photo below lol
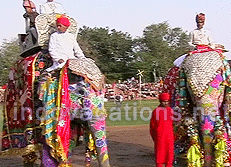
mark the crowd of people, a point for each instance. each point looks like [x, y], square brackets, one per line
[131, 89]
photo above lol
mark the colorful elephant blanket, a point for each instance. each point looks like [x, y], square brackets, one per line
[21, 128]
[201, 69]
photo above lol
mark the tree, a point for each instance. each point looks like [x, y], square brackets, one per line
[111, 50]
[118, 55]
[9, 54]
[159, 46]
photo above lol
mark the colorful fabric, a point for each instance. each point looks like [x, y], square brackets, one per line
[202, 131]
[87, 68]
[200, 69]
[87, 105]
[21, 126]
[63, 113]
[209, 105]
[170, 83]
[206, 125]
[22, 133]
[205, 48]
[48, 94]
[59, 99]
[194, 154]
[47, 160]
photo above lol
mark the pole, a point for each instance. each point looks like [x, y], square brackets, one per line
[140, 88]
[140, 75]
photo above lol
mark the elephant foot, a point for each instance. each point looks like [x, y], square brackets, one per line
[65, 165]
[79, 140]
[30, 164]
[208, 164]
[29, 159]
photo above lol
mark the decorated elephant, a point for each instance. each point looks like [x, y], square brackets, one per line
[48, 113]
[200, 89]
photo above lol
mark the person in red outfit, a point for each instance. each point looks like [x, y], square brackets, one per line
[161, 130]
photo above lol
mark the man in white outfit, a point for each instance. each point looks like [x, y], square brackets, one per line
[63, 45]
[200, 36]
[52, 7]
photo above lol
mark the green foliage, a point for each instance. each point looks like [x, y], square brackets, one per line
[118, 55]
[111, 49]
[159, 47]
[9, 54]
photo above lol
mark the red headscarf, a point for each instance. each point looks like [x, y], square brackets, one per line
[63, 20]
[200, 17]
[164, 97]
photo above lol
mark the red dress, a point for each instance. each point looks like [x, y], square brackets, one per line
[161, 130]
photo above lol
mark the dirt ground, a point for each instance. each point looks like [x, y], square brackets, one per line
[129, 146]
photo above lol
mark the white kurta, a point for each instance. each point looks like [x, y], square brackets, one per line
[52, 7]
[200, 37]
[63, 46]
[197, 37]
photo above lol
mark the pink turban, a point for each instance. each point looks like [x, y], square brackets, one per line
[63, 20]
[28, 3]
[164, 97]
[200, 17]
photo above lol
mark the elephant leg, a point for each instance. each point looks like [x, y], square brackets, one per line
[46, 159]
[209, 105]
[207, 140]
[29, 159]
[98, 131]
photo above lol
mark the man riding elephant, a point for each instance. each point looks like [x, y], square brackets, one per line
[78, 100]
[52, 97]
[200, 36]
[203, 89]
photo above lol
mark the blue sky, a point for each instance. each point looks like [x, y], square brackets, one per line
[130, 16]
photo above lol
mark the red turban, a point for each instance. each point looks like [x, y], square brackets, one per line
[63, 20]
[164, 97]
[200, 17]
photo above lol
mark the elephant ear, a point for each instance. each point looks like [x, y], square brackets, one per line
[46, 25]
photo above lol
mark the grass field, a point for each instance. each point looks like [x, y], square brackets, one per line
[133, 112]
[130, 112]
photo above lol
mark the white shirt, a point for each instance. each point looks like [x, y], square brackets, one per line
[200, 37]
[63, 46]
[52, 7]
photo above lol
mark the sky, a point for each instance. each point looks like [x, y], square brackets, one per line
[130, 16]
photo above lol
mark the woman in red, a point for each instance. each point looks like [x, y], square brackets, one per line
[161, 130]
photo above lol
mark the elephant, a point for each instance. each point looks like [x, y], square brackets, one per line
[200, 97]
[48, 113]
